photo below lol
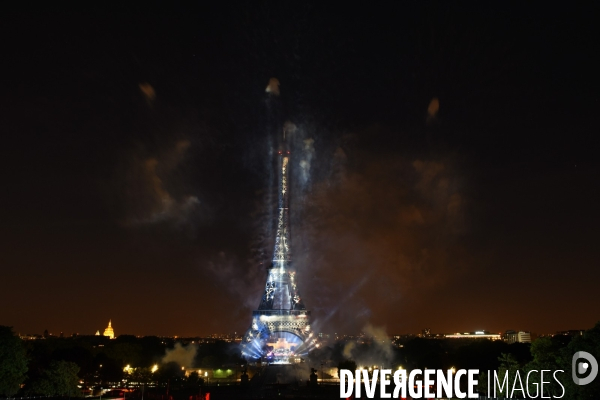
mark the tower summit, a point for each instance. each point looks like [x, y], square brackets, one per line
[280, 330]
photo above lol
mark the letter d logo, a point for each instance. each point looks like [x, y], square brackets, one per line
[583, 367]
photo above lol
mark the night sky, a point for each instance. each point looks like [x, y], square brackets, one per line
[446, 170]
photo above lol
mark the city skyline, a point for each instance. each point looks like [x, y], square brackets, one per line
[446, 175]
[427, 333]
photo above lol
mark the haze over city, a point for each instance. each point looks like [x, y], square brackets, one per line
[446, 178]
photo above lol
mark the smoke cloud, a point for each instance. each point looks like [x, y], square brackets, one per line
[149, 199]
[377, 235]
[369, 233]
[432, 111]
[244, 280]
[273, 87]
[380, 352]
[434, 107]
[148, 92]
[182, 355]
[308, 153]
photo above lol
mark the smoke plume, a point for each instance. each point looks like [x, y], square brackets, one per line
[273, 87]
[148, 92]
[308, 153]
[148, 197]
[432, 111]
[380, 352]
[182, 355]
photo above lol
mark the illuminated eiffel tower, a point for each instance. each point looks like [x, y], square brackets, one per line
[280, 332]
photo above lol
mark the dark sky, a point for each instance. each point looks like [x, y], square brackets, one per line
[138, 182]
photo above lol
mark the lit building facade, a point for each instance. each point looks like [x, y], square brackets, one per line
[474, 335]
[517, 337]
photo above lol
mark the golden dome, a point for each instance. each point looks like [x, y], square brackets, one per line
[109, 331]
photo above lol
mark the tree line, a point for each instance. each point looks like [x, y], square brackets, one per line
[56, 366]
[60, 366]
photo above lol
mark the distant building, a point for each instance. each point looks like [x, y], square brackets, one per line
[572, 332]
[474, 335]
[524, 337]
[109, 331]
[511, 336]
[30, 337]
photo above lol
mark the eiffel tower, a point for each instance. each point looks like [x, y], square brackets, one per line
[280, 332]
